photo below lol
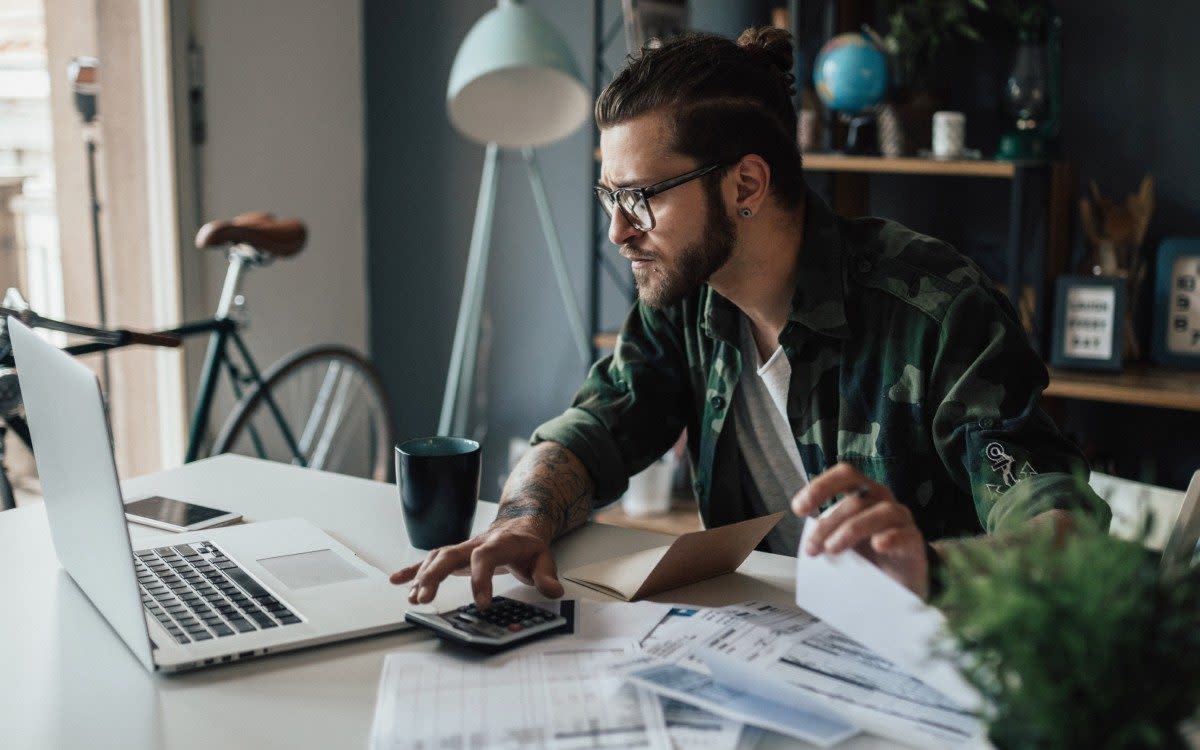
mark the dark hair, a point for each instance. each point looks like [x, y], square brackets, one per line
[725, 99]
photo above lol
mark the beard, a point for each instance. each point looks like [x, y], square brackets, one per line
[665, 283]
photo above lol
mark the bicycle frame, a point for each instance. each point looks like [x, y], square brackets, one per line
[222, 330]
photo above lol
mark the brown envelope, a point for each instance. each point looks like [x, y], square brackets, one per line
[692, 557]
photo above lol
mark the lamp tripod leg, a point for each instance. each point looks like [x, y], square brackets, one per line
[554, 247]
[460, 377]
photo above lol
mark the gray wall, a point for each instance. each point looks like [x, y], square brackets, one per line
[422, 184]
[284, 113]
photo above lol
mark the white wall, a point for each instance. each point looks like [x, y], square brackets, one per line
[284, 110]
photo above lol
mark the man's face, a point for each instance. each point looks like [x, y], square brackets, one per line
[693, 236]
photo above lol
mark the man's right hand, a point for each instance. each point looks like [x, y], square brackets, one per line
[517, 545]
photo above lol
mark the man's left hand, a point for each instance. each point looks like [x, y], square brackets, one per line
[868, 519]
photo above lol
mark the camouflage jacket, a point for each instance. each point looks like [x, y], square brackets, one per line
[906, 362]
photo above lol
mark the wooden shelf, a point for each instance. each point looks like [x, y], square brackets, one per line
[829, 162]
[1139, 385]
[682, 518]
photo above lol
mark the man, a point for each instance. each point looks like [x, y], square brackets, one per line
[810, 358]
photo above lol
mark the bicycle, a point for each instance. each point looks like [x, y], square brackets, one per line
[321, 407]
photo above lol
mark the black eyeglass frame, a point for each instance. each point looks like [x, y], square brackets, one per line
[643, 194]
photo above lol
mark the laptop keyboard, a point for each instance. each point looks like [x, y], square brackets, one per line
[198, 593]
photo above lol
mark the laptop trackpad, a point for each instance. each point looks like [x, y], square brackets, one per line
[315, 568]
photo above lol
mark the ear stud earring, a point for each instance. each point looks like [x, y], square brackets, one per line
[745, 213]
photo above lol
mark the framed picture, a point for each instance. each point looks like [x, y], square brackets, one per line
[1089, 314]
[1176, 340]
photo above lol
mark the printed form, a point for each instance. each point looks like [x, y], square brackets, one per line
[556, 698]
[557, 693]
[868, 660]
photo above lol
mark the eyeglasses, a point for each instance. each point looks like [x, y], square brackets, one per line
[634, 201]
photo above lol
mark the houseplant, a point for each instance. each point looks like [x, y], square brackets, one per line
[1078, 642]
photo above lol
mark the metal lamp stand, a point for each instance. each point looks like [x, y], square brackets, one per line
[461, 377]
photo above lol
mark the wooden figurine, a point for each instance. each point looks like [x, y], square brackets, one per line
[1116, 232]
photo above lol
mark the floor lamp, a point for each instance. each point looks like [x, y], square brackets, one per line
[514, 84]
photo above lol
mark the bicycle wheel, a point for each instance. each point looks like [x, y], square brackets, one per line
[334, 407]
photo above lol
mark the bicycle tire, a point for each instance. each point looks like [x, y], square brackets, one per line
[251, 416]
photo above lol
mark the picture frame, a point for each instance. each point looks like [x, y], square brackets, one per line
[1089, 315]
[1176, 335]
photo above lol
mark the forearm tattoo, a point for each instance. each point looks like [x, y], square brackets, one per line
[550, 486]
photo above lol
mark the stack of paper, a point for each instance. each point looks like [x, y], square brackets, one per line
[650, 675]
[557, 693]
[784, 670]
[866, 663]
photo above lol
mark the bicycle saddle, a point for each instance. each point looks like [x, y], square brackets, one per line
[262, 231]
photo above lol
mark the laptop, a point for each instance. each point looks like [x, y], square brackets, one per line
[1180, 550]
[191, 600]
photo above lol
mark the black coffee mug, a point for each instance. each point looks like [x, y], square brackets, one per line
[439, 488]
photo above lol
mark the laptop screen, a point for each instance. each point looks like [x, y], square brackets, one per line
[73, 450]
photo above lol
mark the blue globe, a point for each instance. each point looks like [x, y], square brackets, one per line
[851, 74]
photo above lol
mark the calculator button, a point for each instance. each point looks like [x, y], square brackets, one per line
[515, 627]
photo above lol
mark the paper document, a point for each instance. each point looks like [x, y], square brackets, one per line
[561, 697]
[857, 683]
[693, 728]
[692, 557]
[819, 727]
[689, 727]
[850, 593]
[554, 693]
[781, 656]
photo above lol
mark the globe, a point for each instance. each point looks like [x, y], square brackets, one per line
[851, 73]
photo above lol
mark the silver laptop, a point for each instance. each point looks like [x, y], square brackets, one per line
[188, 600]
[1181, 547]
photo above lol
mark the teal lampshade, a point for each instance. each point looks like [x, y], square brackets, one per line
[514, 81]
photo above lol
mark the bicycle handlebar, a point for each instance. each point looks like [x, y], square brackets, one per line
[105, 338]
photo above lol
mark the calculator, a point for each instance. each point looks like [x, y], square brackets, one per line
[505, 624]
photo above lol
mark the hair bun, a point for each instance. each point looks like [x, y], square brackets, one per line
[775, 43]
[775, 46]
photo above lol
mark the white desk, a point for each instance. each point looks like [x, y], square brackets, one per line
[68, 681]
